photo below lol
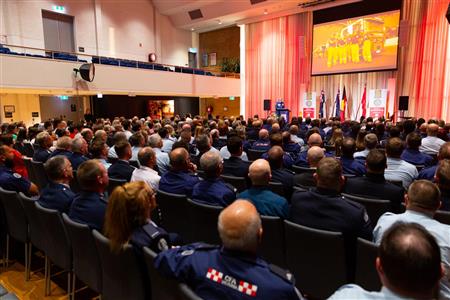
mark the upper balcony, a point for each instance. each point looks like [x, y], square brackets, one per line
[32, 70]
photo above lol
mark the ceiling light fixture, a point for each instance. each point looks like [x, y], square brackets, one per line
[192, 29]
[220, 22]
[265, 12]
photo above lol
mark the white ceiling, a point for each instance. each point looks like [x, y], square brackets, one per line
[231, 12]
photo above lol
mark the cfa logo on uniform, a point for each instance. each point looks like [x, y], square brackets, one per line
[231, 282]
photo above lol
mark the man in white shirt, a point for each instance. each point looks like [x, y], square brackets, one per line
[398, 169]
[431, 144]
[293, 130]
[422, 201]
[147, 159]
[162, 158]
[167, 142]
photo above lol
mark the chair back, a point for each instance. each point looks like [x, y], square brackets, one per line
[239, 183]
[59, 250]
[254, 154]
[272, 247]
[86, 261]
[162, 288]
[39, 172]
[121, 272]
[366, 274]
[134, 163]
[113, 183]
[37, 231]
[277, 188]
[308, 255]
[442, 216]
[30, 170]
[299, 170]
[203, 222]
[16, 220]
[187, 293]
[173, 209]
[375, 207]
[396, 182]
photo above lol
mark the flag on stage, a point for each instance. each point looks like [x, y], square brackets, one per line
[322, 112]
[363, 102]
[338, 104]
[343, 105]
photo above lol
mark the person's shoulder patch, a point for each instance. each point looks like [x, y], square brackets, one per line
[283, 273]
[17, 175]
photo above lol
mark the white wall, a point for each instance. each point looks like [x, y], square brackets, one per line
[123, 29]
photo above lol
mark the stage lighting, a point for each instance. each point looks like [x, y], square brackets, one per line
[87, 72]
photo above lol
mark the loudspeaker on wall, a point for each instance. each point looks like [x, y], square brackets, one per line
[448, 13]
[403, 102]
[267, 104]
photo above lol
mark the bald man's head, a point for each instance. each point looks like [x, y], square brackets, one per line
[275, 157]
[240, 227]
[432, 129]
[314, 155]
[315, 140]
[179, 159]
[263, 134]
[259, 172]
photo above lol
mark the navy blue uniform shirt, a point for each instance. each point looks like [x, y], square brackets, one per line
[213, 192]
[76, 159]
[353, 166]
[215, 273]
[41, 154]
[65, 153]
[121, 169]
[13, 182]
[261, 144]
[89, 208]
[181, 182]
[428, 173]
[416, 157]
[287, 159]
[57, 196]
[235, 166]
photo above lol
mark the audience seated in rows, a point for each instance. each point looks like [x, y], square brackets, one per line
[370, 142]
[444, 153]
[162, 158]
[63, 147]
[350, 165]
[431, 143]
[398, 169]
[422, 201]
[408, 265]
[235, 166]
[373, 184]
[180, 179]
[57, 194]
[89, 205]
[306, 179]
[324, 208]
[266, 202]
[412, 154]
[236, 262]
[263, 142]
[279, 172]
[314, 140]
[99, 151]
[79, 151]
[42, 148]
[11, 181]
[121, 169]
[146, 172]
[213, 190]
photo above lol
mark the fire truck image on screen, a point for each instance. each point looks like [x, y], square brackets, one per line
[359, 44]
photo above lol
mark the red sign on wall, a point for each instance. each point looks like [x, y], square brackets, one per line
[376, 112]
[309, 112]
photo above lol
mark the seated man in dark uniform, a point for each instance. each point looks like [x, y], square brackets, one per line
[402, 277]
[233, 271]
[213, 190]
[306, 179]
[412, 154]
[373, 185]
[43, 143]
[180, 179]
[79, 150]
[442, 179]
[57, 194]
[235, 166]
[63, 147]
[267, 202]
[12, 181]
[350, 165]
[444, 153]
[262, 143]
[280, 174]
[324, 207]
[276, 139]
[89, 206]
[290, 146]
[121, 169]
[314, 140]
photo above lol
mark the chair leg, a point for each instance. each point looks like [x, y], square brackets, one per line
[26, 261]
[7, 251]
[47, 276]
[70, 283]
[28, 268]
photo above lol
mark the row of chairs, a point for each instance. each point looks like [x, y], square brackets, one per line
[305, 251]
[82, 254]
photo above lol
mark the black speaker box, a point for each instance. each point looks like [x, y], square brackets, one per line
[403, 102]
[448, 13]
[267, 104]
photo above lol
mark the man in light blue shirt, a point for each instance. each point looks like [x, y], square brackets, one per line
[162, 158]
[408, 264]
[398, 169]
[422, 201]
[370, 142]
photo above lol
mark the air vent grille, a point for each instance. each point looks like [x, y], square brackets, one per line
[195, 14]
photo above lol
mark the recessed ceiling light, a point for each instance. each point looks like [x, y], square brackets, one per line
[192, 29]
[265, 12]
[220, 22]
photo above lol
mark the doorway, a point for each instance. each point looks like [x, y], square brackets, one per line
[58, 32]
[192, 60]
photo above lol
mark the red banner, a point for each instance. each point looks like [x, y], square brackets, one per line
[309, 112]
[377, 112]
